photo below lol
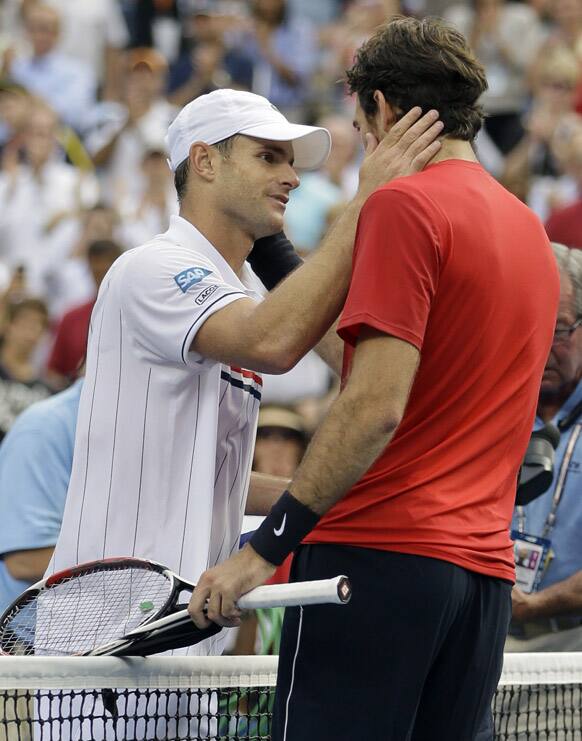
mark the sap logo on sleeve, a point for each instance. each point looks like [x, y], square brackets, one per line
[189, 277]
[206, 293]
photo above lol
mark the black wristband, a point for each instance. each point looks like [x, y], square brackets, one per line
[273, 258]
[283, 529]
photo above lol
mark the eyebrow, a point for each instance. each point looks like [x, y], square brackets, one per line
[280, 151]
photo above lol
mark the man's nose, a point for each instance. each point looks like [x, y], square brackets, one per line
[291, 178]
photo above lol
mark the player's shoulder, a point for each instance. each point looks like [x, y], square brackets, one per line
[158, 258]
[410, 191]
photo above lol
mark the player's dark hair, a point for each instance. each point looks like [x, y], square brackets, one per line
[225, 146]
[181, 178]
[183, 170]
[421, 63]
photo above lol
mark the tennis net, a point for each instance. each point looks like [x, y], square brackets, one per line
[219, 698]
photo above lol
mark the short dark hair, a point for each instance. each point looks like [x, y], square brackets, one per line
[101, 247]
[27, 304]
[183, 170]
[421, 63]
[181, 178]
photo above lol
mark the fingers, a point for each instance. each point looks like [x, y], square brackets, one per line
[425, 147]
[197, 606]
[222, 609]
[406, 132]
[409, 146]
[211, 603]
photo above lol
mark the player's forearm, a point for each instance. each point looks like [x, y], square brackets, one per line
[562, 598]
[331, 349]
[264, 490]
[341, 451]
[299, 311]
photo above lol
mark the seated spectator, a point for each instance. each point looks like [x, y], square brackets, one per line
[532, 171]
[15, 104]
[339, 41]
[283, 54]
[564, 224]
[35, 194]
[564, 20]
[35, 466]
[550, 617]
[67, 278]
[281, 441]
[20, 382]
[493, 28]
[205, 62]
[103, 23]
[148, 213]
[70, 340]
[120, 134]
[67, 84]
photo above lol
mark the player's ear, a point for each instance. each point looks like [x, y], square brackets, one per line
[203, 160]
[386, 113]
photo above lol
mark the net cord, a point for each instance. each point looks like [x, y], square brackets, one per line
[154, 672]
[202, 672]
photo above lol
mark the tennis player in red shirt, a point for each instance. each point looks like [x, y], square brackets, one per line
[409, 484]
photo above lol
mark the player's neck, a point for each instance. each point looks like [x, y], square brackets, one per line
[232, 243]
[455, 149]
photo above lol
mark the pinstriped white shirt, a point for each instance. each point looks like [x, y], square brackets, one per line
[165, 438]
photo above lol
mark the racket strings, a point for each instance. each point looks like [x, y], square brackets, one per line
[84, 612]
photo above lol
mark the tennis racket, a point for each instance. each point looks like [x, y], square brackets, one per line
[129, 607]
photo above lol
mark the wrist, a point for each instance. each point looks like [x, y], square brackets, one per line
[288, 522]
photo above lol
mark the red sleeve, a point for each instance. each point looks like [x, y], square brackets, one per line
[395, 269]
[58, 358]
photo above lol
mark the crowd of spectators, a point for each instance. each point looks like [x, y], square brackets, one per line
[88, 89]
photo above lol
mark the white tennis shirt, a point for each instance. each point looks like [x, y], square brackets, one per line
[165, 437]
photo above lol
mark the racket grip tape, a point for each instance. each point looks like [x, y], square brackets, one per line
[334, 591]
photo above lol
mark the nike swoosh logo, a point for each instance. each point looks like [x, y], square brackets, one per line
[279, 531]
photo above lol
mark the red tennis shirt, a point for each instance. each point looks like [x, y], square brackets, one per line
[451, 262]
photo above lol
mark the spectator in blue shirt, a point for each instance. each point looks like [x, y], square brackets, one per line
[550, 618]
[67, 84]
[283, 54]
[35, 466]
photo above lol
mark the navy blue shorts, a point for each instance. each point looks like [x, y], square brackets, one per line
[416, 654]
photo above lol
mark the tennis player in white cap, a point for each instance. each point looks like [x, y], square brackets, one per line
[180, 333]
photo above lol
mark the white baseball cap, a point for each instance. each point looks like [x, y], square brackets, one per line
[224, 113]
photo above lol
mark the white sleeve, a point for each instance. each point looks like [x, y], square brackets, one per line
[167, 295]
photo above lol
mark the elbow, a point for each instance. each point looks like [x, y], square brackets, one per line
[381, 419]
[276, 358]
[384, 422]
[388, 424]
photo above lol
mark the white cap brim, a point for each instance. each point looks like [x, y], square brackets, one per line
[311, 144]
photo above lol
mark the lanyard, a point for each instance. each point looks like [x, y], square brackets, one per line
[559, 489]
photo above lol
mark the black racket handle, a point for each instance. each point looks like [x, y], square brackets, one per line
[187, 635]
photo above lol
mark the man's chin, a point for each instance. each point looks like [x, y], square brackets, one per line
[550, 391]
[267, 230]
